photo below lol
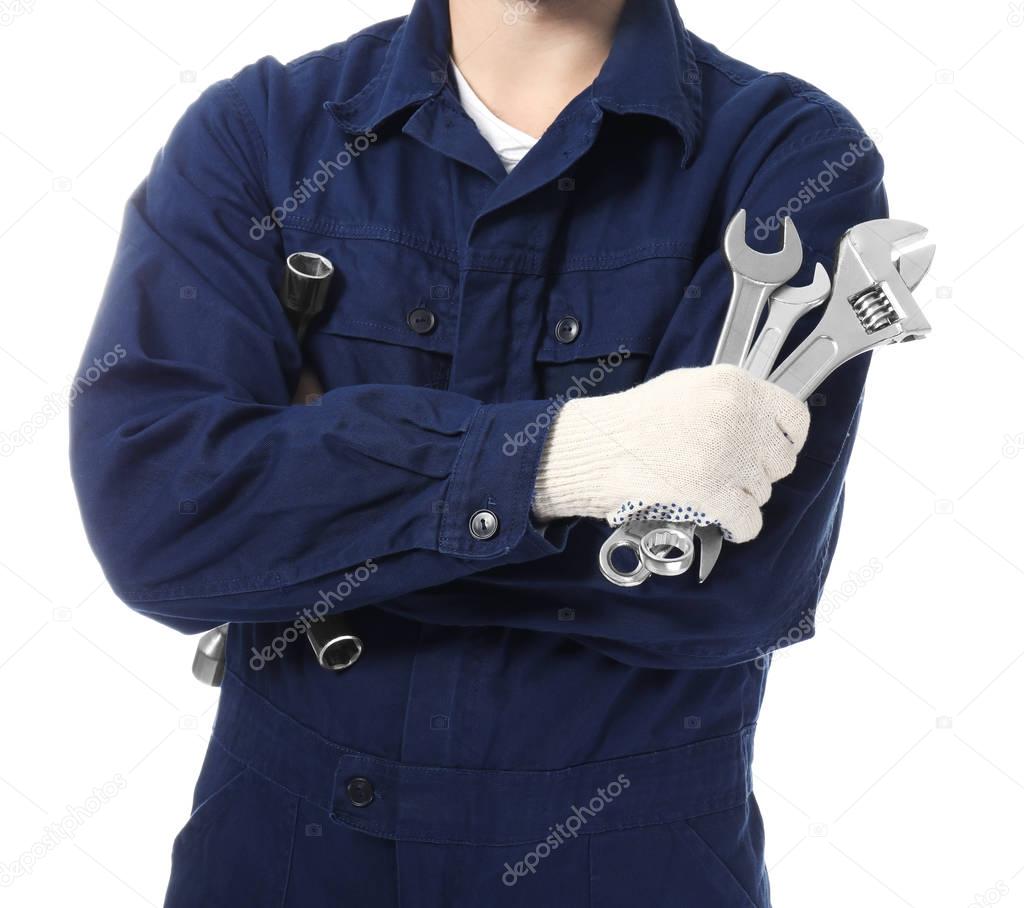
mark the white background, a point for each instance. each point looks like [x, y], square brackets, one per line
[890, 764]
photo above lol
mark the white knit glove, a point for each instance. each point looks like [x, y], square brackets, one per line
[702, 445]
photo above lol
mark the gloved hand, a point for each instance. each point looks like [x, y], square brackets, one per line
[692, 444]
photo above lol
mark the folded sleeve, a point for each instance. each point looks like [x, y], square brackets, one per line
[205, 496]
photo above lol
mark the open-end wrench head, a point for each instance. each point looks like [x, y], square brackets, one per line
[765, 268]
[813, 294]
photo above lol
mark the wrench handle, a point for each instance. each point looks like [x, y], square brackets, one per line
[808, 366]
[765, 351]
[745, 308]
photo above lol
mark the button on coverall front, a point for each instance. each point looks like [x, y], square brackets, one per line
[519, 731]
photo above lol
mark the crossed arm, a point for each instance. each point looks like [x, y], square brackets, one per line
[207, 498]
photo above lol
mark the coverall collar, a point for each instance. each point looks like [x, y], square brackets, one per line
[651, 70]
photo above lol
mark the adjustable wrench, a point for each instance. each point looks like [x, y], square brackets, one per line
[872, 304]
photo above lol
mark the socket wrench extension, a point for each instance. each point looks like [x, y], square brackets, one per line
[303, 295]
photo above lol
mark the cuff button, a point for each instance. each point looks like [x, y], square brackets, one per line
[483, 524]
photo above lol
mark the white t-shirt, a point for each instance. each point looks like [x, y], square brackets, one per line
[509, 143]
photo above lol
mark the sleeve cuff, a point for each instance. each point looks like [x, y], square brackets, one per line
[486, 511]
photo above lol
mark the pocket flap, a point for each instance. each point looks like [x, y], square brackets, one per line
[620, 310]
[382, 290]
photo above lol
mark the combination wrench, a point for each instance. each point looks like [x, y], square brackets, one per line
[755, 277]
[788, 305]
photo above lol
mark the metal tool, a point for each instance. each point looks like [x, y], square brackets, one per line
[871, 305]
[303, 295]
[209, 660]
[652, 543]
[652, 558]
[755, 277]
[788, 306]
[875, 305]
[304, 289]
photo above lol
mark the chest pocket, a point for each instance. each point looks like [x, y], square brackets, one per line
[390, 314]
[603, 327]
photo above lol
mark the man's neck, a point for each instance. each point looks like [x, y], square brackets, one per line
[526, 59]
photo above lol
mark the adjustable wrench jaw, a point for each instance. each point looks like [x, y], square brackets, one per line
[879, 306]
[875, 243]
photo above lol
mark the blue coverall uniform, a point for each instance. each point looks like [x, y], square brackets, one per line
[519, 731]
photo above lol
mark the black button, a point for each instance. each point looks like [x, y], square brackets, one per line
[567, 330]
[422, 320]
[360, 792]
